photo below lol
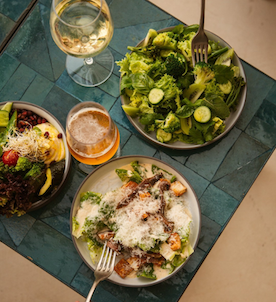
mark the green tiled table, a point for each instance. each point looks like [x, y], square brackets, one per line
[33, 70]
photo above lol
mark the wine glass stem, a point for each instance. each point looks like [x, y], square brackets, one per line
[88, 61]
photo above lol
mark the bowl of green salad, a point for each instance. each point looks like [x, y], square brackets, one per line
[145, 210]
[174, 104]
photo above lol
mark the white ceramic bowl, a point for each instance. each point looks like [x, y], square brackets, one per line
[105, 179]
[230, 121]
[53, 120]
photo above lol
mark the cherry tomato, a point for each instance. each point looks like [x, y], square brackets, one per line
[10, 158]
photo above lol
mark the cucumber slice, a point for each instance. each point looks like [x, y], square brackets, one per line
[7, 107]
[202, 114]
[4, 118]
[156, 95]
[129, 110]
[225, 58]
[163, 136]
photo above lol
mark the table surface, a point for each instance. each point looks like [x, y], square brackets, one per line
[220, 173]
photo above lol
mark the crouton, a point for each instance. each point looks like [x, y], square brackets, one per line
[174, 241]
[178, 188]
[123, 268]
[136, 262]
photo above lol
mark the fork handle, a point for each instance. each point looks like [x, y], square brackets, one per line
[96, 282]
[201, 21]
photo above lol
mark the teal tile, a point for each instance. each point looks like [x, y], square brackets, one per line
[51, 251]
[267, 113]
[132, 35]
[198, 183]
[124, 135]
[83, 285]
[30, 47]
[18, 83]
[5, 237]
[18, 227]
[144, 11]
[111, 86]
[218, 205]
[37, 91]
[94, 94]
[61, 223]
[8, 64]
[258, 87]
[57, 57]
[145, 295]
[262, 131]
[245, 150]
[13, 9]
[210, 231]
[59, 103]
[238, 182]
[130, 148]
[117, 57]
[215, 153]
[46, 3]
[6, 25]
[271, 96]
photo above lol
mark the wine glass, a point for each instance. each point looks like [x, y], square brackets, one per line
[83, 30]
[92, 136]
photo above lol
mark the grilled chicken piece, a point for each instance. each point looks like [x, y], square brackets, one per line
[115, 246]
[123, 268]
[146, 183]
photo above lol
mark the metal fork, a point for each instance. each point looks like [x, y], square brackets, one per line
[200, 40]
[104, 268]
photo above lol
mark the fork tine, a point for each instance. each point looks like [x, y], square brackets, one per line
[101, 259]
[201, 53]
[206, 53]
[197, 53]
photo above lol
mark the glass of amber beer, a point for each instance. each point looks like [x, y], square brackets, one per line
[91, 134]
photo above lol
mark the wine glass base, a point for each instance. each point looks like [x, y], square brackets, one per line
[87, 169]
[93, 74]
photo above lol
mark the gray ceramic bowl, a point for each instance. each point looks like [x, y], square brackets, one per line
[230, 121]
[53, 120]
[105, 179]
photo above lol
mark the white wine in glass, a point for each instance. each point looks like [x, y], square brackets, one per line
[83, 29]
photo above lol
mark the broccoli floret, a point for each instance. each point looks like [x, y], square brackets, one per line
[165, 40]
[185, 46]
[35, 170]
[203, 73]
[168, 84]
[128, 175]
[150, 52]
[175, 65]
[213, 88]
[170, 124]
[145, 106]
[152, 33]
[157, 69]
[23, 164]
[136, 99]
